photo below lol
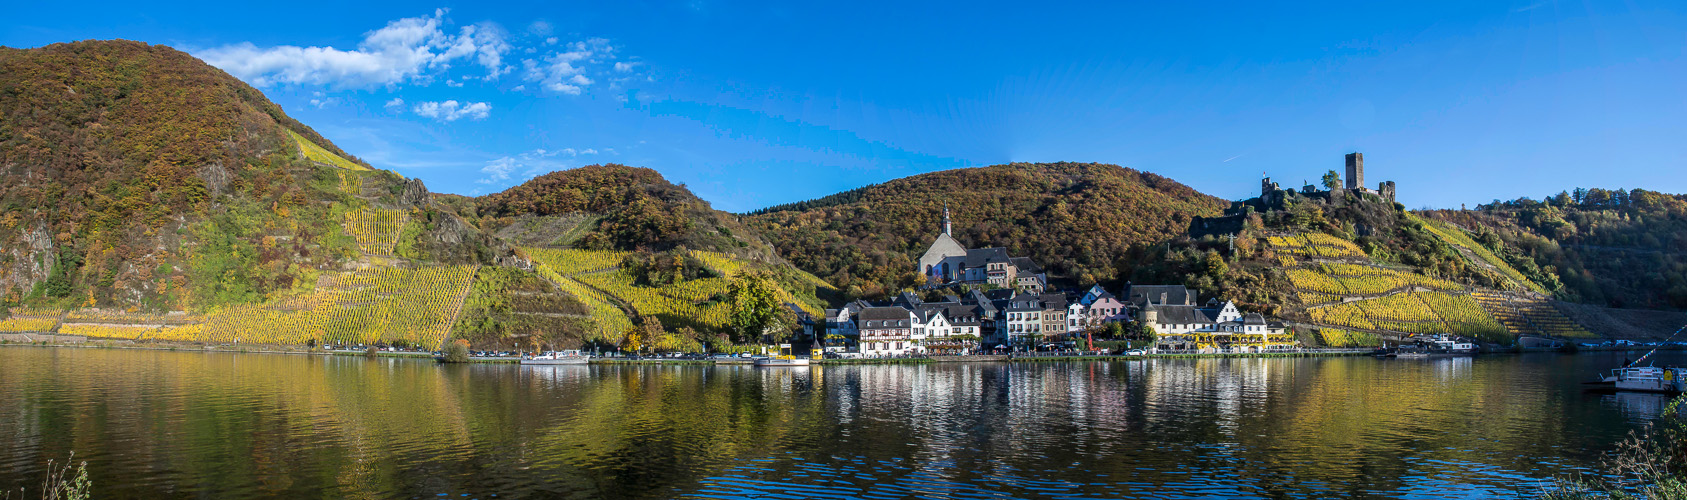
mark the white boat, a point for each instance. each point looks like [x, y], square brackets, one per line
[1445, 346]
[1647, 379]
[785, 358]
[556, 358]
[782, 361]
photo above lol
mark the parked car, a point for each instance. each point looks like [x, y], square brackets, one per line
[1136, 352]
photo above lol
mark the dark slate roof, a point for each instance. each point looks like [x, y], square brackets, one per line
[880, 313]
[962, 315]
[1000, 294]
[1020, 303]
[801, 314]
[978, 257]
[1026, 265]
[832, 314]
[952, 298]
[1053, 300]
[1174, 294]
[1253, 319]
[908, 299]
[1181, 315]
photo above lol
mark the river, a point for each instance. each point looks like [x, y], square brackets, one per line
[163, 424]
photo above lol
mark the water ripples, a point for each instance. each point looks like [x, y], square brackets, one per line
[188, 424]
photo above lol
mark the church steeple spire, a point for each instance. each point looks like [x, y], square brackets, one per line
[946, 218]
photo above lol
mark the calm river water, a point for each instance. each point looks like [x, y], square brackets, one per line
[158, 424]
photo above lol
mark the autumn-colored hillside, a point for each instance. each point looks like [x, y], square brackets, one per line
[137, 175]
[1079, 220]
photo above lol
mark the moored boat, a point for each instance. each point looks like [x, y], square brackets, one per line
[1446, 346]
[556, 358]
[785, 358]
[1647, 379]
[781, 361]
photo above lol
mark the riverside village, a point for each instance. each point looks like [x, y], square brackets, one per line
[989, 301]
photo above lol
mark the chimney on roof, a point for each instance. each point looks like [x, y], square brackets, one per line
[1163, 297]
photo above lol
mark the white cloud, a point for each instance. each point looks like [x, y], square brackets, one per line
[498, 170]
[408, 49]
[528, 165]
[451, 110]
[564, 71]
[625, 67]
[453, 83]
[395, 103]
[588, 151]
[550, 41]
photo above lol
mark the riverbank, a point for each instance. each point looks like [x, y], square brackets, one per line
[1032, 358]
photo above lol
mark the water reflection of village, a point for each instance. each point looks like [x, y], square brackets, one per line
[278, 425]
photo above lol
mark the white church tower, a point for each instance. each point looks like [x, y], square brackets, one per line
[943, 260]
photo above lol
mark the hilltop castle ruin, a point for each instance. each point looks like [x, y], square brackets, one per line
[1273, 195]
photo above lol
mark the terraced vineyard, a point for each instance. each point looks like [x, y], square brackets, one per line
[698, 303]
[1530, 316]
[611, 320]
[1457, 237]
[1343, 288]
[1335, 337]
[25, 319]
[1316, 245]
[376, 230]
[317, 154]
[416, 306]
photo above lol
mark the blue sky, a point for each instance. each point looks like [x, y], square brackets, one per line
[758, 104]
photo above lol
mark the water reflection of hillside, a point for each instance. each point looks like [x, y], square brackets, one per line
[159, 424]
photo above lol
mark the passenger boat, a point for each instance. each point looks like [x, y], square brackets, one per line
[1446, 346]
[1647, 379]
[785, 358]
[556, 358]
[781, 361]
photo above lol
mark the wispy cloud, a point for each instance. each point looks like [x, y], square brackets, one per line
[452, 110]
[531, 164]
[405, 50]
[565, 71]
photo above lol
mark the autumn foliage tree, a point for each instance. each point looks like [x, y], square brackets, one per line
[756, 309]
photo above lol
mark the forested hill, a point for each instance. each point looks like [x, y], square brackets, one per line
[1616, 248]
[1079, 220]
[135, 175]
[616, 207]
[151, 197]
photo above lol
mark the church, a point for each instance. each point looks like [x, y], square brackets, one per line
[947, 261]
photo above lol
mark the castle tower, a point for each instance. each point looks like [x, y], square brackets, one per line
[1355, 171]
[946, 218]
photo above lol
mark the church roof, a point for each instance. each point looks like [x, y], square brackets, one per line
[979, 257]
[944, 246]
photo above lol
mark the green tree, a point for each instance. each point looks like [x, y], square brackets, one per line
[1332, 180]
[756, 309]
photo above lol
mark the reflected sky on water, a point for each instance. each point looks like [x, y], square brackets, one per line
[159, 424]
